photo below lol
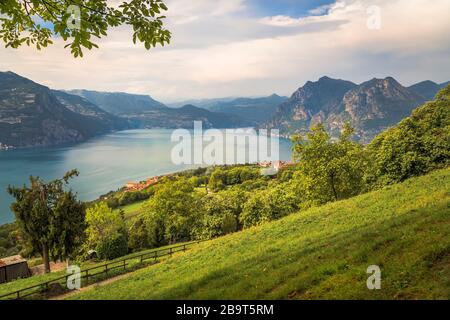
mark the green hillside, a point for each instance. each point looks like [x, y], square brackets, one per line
[320, 253]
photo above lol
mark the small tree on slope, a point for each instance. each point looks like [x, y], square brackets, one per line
[50, 219]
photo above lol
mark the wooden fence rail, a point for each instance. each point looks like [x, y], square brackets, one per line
[104, 269]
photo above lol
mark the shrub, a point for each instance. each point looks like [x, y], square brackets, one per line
[138, 235]
[113, 247]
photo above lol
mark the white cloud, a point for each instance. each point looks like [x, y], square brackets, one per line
[281, 21]
[220, 49]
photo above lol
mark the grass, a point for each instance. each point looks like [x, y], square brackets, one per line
[133, 209]
[38, 279]
[321, 253]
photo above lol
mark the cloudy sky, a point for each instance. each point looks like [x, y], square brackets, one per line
[226, 48]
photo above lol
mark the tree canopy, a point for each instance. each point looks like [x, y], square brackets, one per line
[77, 22]
[418, 144]
[329, 170]
[50, 219]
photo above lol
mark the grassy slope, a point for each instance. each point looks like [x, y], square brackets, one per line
[35, 280]
[133, 209]
[320, 253]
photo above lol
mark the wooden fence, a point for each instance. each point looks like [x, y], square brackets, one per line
[103, 269]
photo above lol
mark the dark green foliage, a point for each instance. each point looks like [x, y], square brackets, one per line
[50, 219]
[113, 202]
[138, 235]
[222, 177]
[113, 247]
[135, 196]
[417, 145]
[19, 26]
[9, 240]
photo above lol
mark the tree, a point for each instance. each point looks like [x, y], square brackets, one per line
[269, 204]
[171, 211]
[329, 170]
[138, 235]
[78, 21]
[50, 219]
[216, 217]
[418, 144]
[217, 180]
[103, 224]
[113, 247]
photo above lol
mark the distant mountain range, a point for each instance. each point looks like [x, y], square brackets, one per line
[119, 103]
[370, 107]
[35, 115]
[144, 112]
[427, 89]
[254, 110]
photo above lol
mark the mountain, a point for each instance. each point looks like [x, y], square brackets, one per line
[370, 107]
[34, 115]
[255, 110]
[201, 103]
[426, 89]
[184, 117]
[141, 111]
[119, 103]
[443, 85]
[309, 104]
[84, 107]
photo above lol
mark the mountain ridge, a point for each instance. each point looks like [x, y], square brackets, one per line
[370, 107]
[34, 115]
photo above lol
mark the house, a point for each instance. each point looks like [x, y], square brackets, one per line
[13, 267]
[138, 186]
[277, 165]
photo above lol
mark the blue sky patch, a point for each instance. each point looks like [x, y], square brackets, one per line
[292, 8]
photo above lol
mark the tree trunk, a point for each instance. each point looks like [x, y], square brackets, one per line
[46, 258]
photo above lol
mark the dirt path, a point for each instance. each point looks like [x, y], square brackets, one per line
[91, 286]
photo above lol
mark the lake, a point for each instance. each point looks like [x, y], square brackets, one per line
[105, 163]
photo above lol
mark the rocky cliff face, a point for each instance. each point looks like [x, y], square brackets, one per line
[369, 107]
[377, 104]
[34, 115]
[310, 104]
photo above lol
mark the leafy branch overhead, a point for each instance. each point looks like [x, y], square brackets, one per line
[77, 22]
